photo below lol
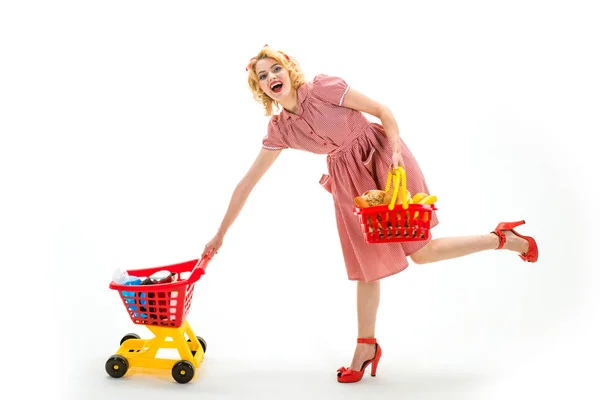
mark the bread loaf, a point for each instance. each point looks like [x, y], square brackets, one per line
[374, 197]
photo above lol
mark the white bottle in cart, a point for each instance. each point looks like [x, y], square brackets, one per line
[121, 277]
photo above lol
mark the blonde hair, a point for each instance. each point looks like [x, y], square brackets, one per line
[289, 63]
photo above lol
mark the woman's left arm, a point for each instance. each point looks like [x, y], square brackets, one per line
[358, 101]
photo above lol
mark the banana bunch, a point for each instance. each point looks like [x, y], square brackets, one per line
[420, 198]
[423, 198]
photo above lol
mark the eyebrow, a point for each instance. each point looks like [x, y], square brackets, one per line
[274, 64]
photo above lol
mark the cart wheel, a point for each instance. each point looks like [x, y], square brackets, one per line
[202, 343]
[129, 336]
[116, 366]
[183, 371]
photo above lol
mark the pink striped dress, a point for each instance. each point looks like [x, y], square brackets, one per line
[358, 159]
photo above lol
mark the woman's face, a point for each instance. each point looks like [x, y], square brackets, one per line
[273, 79]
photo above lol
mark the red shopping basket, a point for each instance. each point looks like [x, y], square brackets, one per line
[396, 222]
[163, 304]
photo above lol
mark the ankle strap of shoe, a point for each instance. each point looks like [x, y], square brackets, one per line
[367, 340]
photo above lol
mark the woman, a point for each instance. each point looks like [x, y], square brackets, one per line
[324, 116]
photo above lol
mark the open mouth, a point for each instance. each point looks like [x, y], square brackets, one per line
[277, 86]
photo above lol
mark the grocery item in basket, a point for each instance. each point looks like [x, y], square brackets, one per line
[418, 197]
[373, 198]
[163, 276]
[121, 277]
[429, 199]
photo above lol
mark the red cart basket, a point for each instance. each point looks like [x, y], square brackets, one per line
[162, 304]
[395, 222]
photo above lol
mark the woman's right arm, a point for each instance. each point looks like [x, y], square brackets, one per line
[259, 167]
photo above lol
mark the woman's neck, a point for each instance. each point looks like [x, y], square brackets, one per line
[291, 102]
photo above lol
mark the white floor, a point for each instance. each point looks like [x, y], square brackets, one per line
[417, 374]
[438, 347]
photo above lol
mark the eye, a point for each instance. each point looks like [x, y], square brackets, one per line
[262, 76]
[277, 68]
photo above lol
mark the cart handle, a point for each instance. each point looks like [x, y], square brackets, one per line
[199, 269]
[399, 174]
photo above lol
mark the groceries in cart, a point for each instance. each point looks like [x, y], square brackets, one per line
[122, 277]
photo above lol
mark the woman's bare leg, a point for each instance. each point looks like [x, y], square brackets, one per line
[459, 246]
[367, 303]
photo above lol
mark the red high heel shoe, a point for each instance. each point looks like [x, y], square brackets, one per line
[346, 375]
[532, 252]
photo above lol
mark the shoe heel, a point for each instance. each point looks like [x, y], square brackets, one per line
[375, 361]
[374, 367]
[507, 226]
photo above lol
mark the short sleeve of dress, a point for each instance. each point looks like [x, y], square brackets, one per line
[274, 139]
[331, 89]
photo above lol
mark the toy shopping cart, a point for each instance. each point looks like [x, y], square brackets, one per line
[396, 222]
[163, 309]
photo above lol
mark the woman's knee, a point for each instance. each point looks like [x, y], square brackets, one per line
[422, 256]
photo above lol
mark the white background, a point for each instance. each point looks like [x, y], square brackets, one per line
[127, 124]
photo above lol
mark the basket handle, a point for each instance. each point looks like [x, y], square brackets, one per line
[399, 174]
